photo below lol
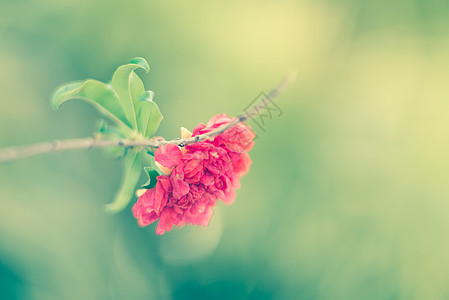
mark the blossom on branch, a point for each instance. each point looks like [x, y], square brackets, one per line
[196, 177]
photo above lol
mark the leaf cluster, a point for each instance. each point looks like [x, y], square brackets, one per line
[134, 114]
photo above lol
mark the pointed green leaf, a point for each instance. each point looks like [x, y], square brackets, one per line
[129, 182]
[94, 92]
[152, 175]
[141, 62]
[128, 87]
[150, 116]
[70, 86]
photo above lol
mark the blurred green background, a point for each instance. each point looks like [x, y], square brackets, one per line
[348, 193]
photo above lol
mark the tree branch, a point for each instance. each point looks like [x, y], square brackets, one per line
[14, 153]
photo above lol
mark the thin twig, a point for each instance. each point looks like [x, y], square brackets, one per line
[14, 153]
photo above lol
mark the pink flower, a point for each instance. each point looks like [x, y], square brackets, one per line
[207, 171]
[238, 138]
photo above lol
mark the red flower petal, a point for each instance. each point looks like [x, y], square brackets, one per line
[168, 155]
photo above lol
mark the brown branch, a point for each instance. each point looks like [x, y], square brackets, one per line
[13, 153]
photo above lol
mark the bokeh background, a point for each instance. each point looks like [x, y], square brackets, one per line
[348, 193]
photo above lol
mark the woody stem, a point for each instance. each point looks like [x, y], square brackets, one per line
[13, 153]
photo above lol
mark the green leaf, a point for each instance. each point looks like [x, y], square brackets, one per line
[102, 126]
[128, 87]
[152, 174]
[94, 92]
[129, 182]
[65, 88]
[150, 116]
